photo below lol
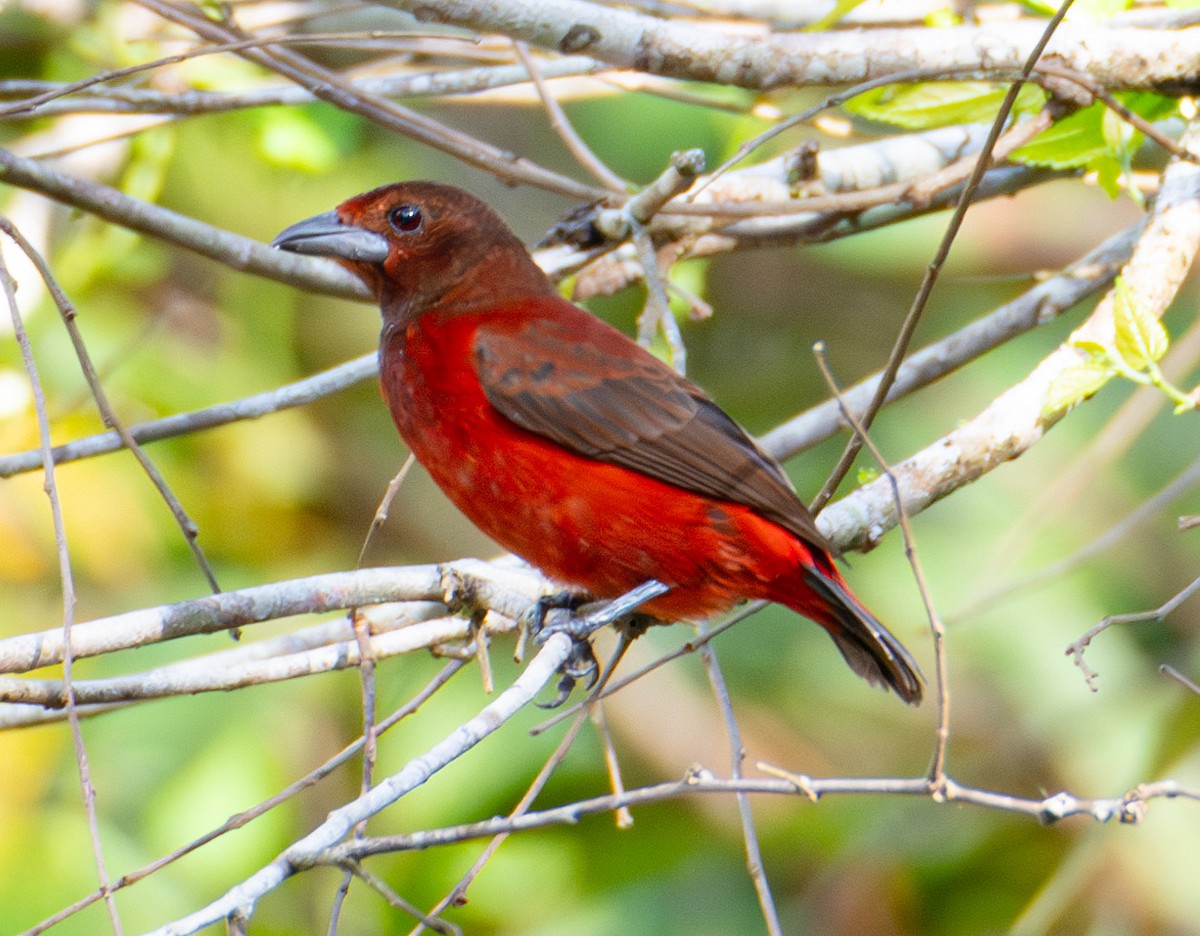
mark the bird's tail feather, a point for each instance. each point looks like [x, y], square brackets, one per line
[869, 647]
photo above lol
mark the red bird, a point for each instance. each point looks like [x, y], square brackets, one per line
[568, 443]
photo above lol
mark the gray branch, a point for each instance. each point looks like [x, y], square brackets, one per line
[1117, 58]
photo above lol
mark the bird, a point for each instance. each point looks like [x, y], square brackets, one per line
[567, 442]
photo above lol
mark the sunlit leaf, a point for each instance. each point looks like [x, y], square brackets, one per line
[1076, 384]
[1139, 336]
[939, 104]
[1071, 143]
[1094, 348]
[1108, 171]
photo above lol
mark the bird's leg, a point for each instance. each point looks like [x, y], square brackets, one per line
[580, 628]
[581, 662]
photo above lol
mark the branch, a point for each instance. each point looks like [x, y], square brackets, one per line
[752, 57]
[1019, 418]
[303, 854]
[1039, 305]
[299, 393]
[125, 99]
[460, 585]
[331, 87]
[233, 250]
[1130, 808]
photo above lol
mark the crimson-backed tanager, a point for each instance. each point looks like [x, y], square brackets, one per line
[567, 442]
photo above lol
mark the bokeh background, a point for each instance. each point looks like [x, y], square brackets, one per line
[293, 494]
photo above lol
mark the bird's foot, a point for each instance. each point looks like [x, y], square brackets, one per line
[544, 624]
[534, 619]
[553, 616]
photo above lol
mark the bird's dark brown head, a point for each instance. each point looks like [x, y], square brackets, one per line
[421, 246]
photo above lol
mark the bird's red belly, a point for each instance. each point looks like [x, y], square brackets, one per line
[583, 522]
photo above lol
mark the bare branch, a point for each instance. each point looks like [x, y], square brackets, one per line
[1043, 303]
[329, 86]
[65, 634]
[456, 585]
[1018, 418]
[1129, 808]
[753, 57]
[304, 853]
[1076, 648]
[240, 253]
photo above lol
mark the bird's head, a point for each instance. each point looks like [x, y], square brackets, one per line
[421, 246]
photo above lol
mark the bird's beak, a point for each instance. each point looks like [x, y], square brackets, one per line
[326, 236]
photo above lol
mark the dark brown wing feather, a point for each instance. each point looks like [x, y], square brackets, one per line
[582, 384]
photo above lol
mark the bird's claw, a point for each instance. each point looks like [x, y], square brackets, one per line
[581, 663]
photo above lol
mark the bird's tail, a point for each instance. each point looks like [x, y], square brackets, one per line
[868, 646]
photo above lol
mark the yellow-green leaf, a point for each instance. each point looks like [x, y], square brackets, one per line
[866, 475]
[941, 103]
[1076, 384]
[1094, 348]
[1139, 337]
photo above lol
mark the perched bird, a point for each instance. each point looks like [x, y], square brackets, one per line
[568, 443]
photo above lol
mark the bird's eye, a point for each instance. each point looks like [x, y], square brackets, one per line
[405, 219]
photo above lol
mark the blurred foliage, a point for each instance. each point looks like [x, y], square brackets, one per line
[293, 494]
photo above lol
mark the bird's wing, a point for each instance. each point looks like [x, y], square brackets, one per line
[575, 380]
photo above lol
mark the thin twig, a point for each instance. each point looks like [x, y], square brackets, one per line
[67, 582]
[458, 892]
[691, 646]
[287, 396]
[937, 766]
[623, 817]
[1129, 808]
[909, 327]
[380, 887]
[385, 505]
[246, 816]
[1171, 673]
[303, 853]
[329, 86]
[584, 155]
[1143, 512]
[1041, 304]
[737, 755]
[1159, 614]
[66, 308]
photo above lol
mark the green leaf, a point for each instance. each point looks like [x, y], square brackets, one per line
[1108, 171]
[1149, 105]
[1084, 138]
[1097, 350]
[939, 104]
[1042, 6]
[1076, 384]
[866, 475]
[1139, 337]
[1071, 143]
